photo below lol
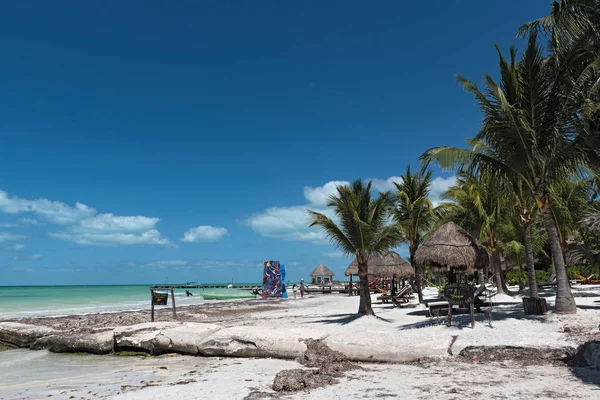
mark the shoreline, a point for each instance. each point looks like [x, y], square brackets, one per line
[249, 330]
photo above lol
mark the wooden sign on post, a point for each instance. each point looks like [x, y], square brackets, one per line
[460, 294]
[160, 298]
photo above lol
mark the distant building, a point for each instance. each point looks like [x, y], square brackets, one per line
[321, 275]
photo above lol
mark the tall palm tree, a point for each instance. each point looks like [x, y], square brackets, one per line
[531, 126]
[363, 230]
[481, 203]
[415, 214]
[526, 211]
[574, 30]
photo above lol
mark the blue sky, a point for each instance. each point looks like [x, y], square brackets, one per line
[151, 141]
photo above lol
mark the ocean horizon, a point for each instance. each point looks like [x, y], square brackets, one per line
[60, 300]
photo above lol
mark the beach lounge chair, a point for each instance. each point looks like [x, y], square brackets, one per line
[403, 296]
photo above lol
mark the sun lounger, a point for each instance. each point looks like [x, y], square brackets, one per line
[403, 296]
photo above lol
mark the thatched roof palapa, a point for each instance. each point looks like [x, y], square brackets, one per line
[451, 246]
[384, 266]
[322, 270]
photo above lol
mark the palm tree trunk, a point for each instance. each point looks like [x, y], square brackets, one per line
[565, 303]
[497, 269]
[533, 289]
[364, 306]
[521, 285]
[418, 275]
[481, 276]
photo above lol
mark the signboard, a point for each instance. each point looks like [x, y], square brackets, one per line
[458, 293]
[159, 299]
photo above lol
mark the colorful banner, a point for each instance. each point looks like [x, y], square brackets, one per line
[273, 284]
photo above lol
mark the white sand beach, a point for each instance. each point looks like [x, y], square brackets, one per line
[395, 334]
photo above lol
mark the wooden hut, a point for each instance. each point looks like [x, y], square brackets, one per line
[321, 275]
[450, 249]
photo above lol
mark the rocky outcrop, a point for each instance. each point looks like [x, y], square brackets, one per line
[22, 335]
[164, 337]
[588, 355]
[94, 343]
[245, 341]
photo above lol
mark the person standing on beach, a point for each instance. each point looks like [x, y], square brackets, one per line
[301, 288]
[294, 290]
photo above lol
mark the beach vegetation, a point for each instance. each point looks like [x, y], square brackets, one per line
[362, 229]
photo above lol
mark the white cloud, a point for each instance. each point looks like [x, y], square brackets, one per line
[7, 225]
[29, 221]
[7, 236]
[112, 223]
[335, 254]
[36, 256]
[56, 212]
[204, 233]
[112, 239]
[320, 195]
[288, 223]
[64, 270]
[384, 185]
[291, 223]
[23, 269]
[84, 225]
[16, 247]
[439, 185]
[168, 263]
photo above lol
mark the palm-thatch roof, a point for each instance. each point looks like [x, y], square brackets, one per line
[384, 266]
[451, 246]
[322, 270]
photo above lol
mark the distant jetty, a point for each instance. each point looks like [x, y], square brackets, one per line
[242, 286]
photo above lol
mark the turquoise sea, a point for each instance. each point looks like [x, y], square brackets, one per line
[35, 301]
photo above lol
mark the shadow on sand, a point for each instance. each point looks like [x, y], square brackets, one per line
[500, 312]
[342, 319]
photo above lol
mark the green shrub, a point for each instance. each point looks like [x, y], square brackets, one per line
[512, 277]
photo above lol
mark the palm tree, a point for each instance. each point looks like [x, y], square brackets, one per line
[574, 30]
[526, 211]
[363, 230]
[415, 214]
[531, 127]
[570, 205]
[480, 205]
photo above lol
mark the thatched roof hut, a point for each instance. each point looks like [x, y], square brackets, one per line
[451, 246]
[384, 266]
[321, 274]
[322, 270]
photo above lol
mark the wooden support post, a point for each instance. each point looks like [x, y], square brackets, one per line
[350, 287]
[152, 302]
[449, 314]
[173, 298]
[472, 307]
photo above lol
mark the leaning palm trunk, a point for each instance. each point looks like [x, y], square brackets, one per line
[418, 275]
[565, 303]
[364, 306]
[533, 289]
[497, 269]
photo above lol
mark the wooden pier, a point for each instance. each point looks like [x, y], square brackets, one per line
[207, 286]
